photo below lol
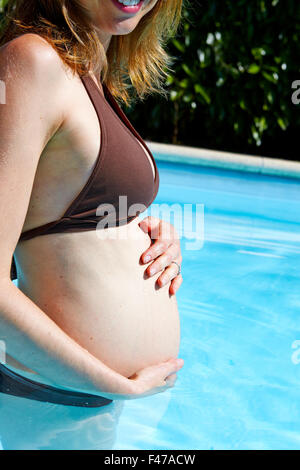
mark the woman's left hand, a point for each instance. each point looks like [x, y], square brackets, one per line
[164, 250]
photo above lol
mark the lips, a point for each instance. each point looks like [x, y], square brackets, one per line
[130, 9]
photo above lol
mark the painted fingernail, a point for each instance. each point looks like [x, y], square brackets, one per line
[147, 258]
[152, 271]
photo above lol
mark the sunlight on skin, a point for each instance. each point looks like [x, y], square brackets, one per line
[108, 21]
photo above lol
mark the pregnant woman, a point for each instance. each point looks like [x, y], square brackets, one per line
[88, 324]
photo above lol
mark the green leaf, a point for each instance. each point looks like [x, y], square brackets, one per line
[188, 71]
[200, 90]
[178, 45]
[253, 69]
[270, 97]
[269, 77]
[187, 98]
[184, 83]
[258, 52]
[169, 80]
[176, 95]
[282, 123]
[243, 105]
[261, 124]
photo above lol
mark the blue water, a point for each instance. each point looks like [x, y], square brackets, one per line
[240, 315]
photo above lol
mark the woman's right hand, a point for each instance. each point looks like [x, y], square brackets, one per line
[155, 379]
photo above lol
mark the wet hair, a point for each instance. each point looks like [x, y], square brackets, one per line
[137, 60]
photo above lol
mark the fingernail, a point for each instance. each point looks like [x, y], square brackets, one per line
[147, 258]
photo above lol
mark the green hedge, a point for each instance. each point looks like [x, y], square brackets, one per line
[231, 86]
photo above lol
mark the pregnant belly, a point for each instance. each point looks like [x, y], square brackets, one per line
[99, 295]
[128, 325]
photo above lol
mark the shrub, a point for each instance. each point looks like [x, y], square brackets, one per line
[232, 82]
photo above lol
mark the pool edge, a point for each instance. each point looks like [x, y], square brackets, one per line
[226, 160]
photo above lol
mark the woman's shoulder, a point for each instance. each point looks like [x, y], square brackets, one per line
[34, 78]
[30, 51]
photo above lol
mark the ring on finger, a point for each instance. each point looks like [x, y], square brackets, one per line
[179, 267]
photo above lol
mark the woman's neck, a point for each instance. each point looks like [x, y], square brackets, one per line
[105, 38]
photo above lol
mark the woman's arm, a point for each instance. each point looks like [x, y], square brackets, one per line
[34, 110]
[56, 356]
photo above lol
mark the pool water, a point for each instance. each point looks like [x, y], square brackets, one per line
[240, 316]
[240, 320]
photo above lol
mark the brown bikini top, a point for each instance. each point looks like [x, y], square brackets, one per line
[122, 168]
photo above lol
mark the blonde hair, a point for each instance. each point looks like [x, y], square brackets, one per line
[136, 60]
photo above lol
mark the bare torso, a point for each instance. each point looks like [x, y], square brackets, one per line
[93, 288]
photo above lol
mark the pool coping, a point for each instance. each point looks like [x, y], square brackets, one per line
[226, 160]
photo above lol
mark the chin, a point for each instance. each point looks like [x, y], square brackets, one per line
[122, 31]
[119, 28]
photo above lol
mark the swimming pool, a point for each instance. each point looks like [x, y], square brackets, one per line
[240, 310]
[239, 306]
